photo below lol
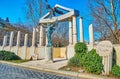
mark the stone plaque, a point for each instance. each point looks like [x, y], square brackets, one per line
[104, 48]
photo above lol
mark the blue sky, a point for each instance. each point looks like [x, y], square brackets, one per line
[13, 10]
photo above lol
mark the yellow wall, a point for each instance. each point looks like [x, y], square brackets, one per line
[59, 52]
[19, 51]
[63, 52]
[28, 53]
[56, 52]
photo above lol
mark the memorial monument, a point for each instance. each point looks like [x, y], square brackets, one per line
[49, 22]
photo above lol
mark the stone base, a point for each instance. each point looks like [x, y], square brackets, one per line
[70, 51]
[48, 54]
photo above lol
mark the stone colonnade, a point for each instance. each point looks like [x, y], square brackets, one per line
[72, 35]
[72, 32]
[18, 39]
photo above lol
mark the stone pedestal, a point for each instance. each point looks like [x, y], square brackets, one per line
[70, 51]
[48, 54]
[105, 50]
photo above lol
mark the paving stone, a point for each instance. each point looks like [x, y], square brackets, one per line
[12, 72]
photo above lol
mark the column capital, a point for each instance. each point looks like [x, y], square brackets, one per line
[81, 17]
[70, 19]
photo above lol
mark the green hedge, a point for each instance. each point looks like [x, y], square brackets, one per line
[76, 60]
[93, 62]
[7, 55]
[80, 47]
[116, 70]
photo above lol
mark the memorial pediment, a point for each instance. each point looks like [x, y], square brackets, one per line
[66, 13]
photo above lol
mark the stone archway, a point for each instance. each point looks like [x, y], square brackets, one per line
[70, 16]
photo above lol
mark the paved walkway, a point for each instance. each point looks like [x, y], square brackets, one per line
[15, 72]
[58, 63]
[53, 68]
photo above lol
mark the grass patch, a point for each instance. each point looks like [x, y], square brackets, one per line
[18, 61]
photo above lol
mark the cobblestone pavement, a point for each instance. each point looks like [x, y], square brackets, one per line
[13, 72]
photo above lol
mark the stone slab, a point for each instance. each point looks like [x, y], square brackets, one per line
[48, 54]
[104, 48]
[70, 51]
[41, 52]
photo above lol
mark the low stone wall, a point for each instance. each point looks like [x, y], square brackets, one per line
[26, 52]
[63, 52]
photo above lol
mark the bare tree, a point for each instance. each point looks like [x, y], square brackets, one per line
[60, 36]
[34, 9]
[105, 14]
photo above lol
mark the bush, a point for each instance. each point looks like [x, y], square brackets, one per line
[116, 70]
[75, 61]
[6, 55]
[93, 62]
[80, 47]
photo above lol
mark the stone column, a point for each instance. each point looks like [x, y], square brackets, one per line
[46, 40]
[70, 33]
[81, 31]
[18, 39]
[41, 36]
[16, 48]
[74, 30]
[32, 48]
[5, 41]
[11, 38]
[24, 48]
[26, 40]
[91, 35]
[33, 37]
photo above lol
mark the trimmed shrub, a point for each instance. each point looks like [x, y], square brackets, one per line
[6, 55]
[80, 47]
[93, 62]
[75, 61]
[116, 70]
